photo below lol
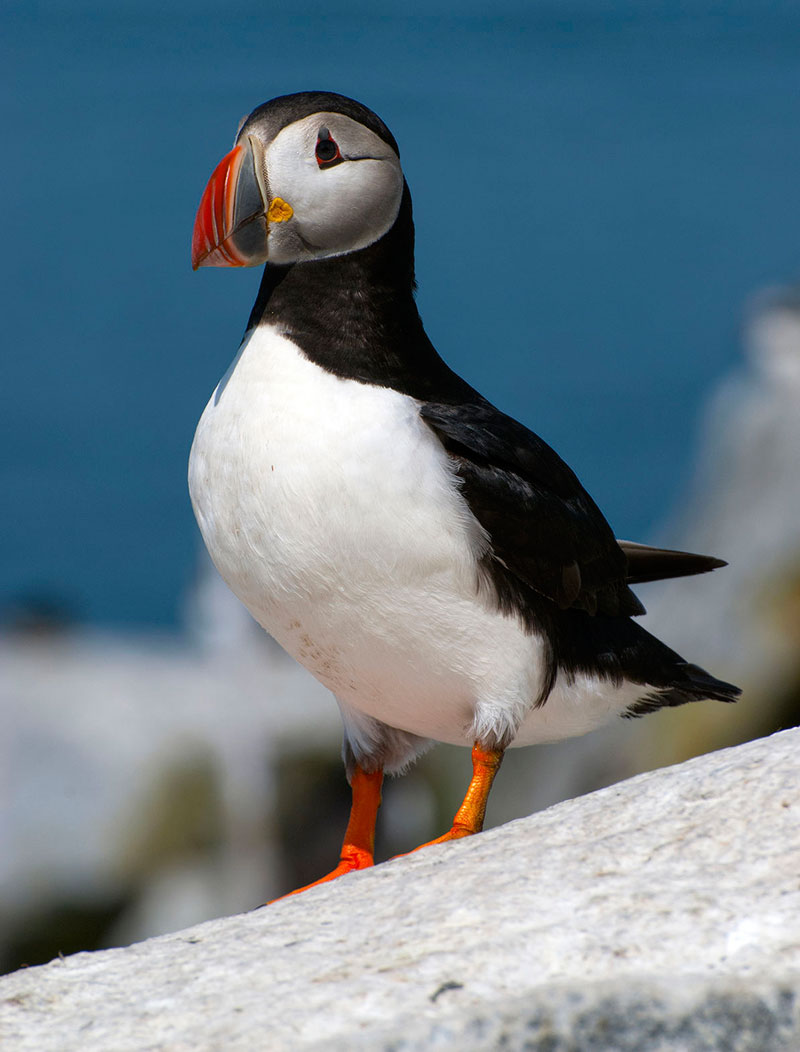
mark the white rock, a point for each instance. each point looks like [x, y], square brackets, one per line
[91, 722]
[662, 913]
[743, 506]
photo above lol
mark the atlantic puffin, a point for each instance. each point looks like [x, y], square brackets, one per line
[428, 558]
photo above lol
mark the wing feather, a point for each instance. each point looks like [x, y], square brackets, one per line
[545, 529]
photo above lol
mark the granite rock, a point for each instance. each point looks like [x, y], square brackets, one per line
[662, 913]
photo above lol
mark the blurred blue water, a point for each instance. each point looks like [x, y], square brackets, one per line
[598, 187]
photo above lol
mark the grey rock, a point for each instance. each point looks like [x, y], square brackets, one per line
[690, 1014]
[659, 914]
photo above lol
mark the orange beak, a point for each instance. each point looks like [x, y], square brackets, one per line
[230, 229]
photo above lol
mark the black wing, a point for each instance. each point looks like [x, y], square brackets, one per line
[545, 529]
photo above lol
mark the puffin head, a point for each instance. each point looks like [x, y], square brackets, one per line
[310, 176]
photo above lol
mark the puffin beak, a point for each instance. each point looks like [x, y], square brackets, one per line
[231, 225]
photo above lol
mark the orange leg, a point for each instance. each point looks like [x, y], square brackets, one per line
[359, 840]
[469, 817]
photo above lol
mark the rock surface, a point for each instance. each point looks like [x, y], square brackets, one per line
[659, 914]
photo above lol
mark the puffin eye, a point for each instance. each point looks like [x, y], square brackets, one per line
[327, 152]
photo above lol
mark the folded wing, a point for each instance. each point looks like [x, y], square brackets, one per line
[544, 528]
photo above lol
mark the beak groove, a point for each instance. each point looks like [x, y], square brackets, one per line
[230, 229]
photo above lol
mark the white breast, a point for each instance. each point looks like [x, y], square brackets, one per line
[331, 511]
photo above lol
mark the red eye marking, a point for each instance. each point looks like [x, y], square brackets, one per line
[327, 151]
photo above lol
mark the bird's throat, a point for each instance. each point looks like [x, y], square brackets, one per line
[355, 315]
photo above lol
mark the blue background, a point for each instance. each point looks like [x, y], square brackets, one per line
[598, 188]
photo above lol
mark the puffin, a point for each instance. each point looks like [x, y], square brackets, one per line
[426, 557]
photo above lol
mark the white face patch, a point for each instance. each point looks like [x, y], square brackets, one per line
[335, 209]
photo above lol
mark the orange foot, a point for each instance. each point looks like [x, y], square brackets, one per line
[470, 816]
[359, 840]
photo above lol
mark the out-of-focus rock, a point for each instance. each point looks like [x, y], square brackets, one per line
[744, 505]
[139, 780]
[742, 622]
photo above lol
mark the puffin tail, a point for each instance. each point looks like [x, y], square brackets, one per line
[690, 683]
[622, 650]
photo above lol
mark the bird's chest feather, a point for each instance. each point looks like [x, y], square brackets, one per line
[315, 493]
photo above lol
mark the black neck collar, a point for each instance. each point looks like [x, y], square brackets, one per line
[355, 315]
